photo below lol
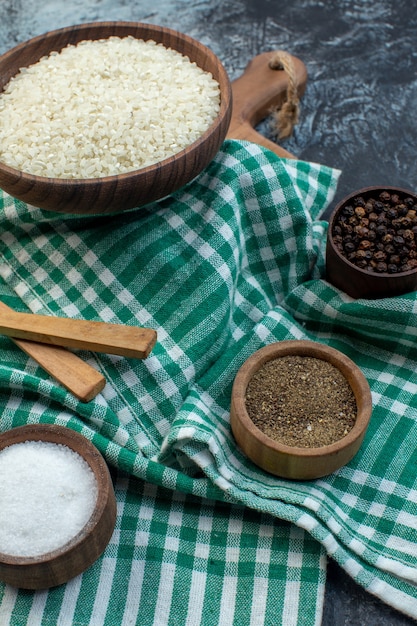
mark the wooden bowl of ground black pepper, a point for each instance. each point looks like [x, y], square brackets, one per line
[372, 243]
[300, 409]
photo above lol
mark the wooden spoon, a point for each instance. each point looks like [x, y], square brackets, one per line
[130, 341]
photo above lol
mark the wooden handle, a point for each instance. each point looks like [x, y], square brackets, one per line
[67, 368]
[256, 93]
[119, 339]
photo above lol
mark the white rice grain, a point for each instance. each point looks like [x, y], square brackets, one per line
[104, 107]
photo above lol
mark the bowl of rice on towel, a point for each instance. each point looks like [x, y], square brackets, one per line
[107, 116]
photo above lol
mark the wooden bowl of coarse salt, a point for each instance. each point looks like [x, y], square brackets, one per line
[57, 505]
[300, 409]
[104, 117]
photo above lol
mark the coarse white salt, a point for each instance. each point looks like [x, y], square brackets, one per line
[102, 108]
[47, 495]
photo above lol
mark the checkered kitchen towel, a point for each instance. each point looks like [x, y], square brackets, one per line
[227, 264]
[175, 558]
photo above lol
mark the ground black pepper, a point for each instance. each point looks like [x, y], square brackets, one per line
[301, 401]
[378, 234]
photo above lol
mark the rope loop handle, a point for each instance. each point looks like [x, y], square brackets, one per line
[286, 117]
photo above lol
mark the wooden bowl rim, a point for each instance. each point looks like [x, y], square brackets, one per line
[225, 100]
[380, 276]
[54, 433]
[299, 347]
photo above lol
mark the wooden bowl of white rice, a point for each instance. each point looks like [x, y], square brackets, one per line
[107, 116]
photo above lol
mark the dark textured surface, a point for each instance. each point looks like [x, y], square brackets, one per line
[358, 113]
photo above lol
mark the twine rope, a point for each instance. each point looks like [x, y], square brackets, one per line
[286, 117]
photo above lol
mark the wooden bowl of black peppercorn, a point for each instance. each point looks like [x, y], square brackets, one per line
[372, 243]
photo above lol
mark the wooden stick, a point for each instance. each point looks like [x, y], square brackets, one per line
[67, 368]
[130, 341]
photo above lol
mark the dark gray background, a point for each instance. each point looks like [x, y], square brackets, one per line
[358, 113]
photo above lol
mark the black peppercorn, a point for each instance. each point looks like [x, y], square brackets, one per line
[362, 263]
[380, 256]
[349, 246]
[361, 231]
[378, 233]
[385, 196]
[381, 230]
[348, 211]
[405, 221]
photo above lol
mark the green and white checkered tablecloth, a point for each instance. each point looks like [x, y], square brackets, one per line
[227, 264]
